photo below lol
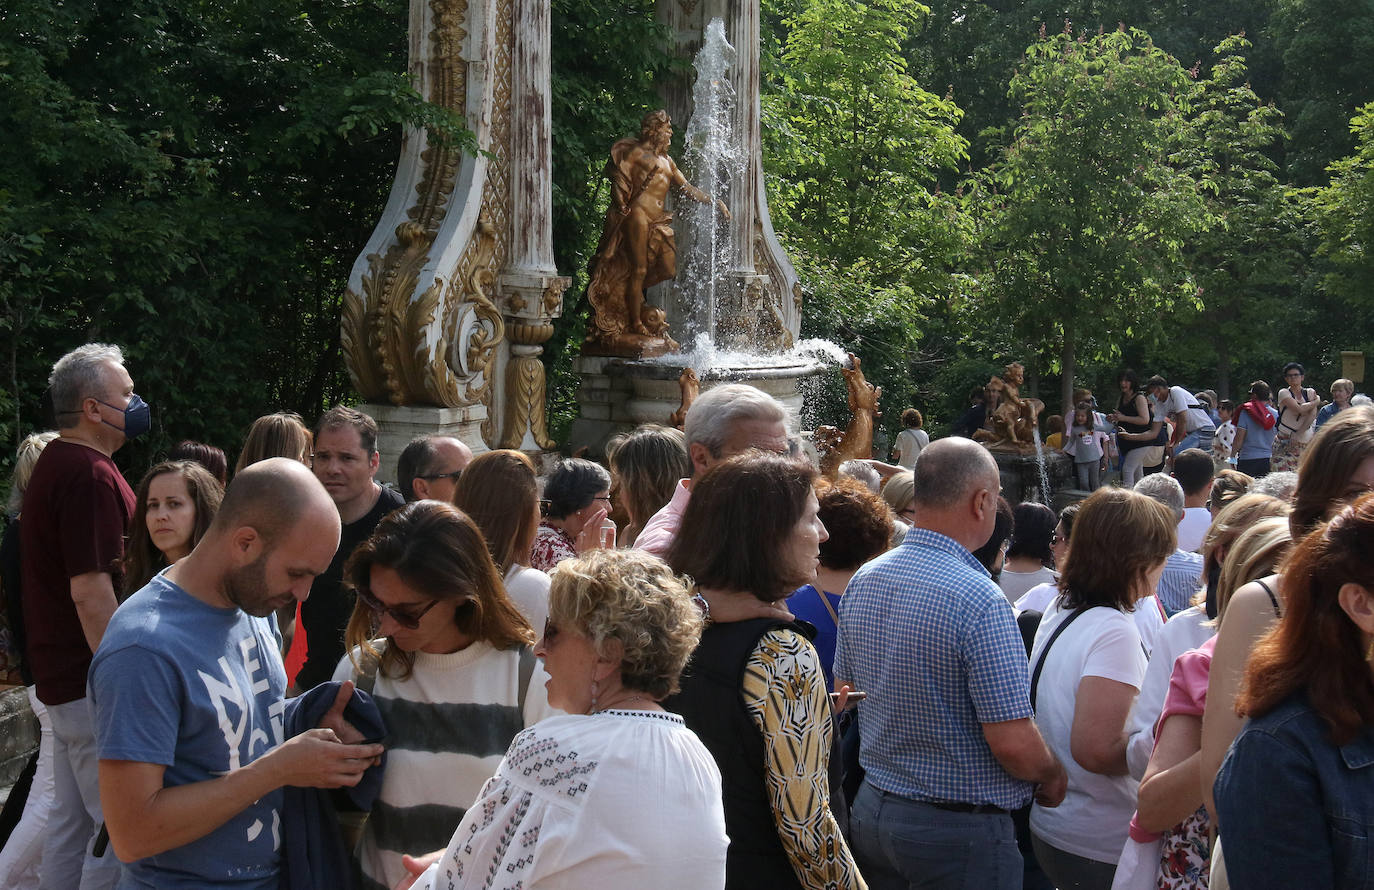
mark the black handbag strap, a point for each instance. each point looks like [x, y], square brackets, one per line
[1044, 653]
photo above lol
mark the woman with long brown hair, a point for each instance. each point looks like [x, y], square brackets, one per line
[1089, 661]
[1296, 792]
[1337, 468]
[499, 491]
[754, 691]
[449, 660]
[175, 503]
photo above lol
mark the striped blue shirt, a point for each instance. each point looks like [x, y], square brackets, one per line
[930, 638]
[1180, 582]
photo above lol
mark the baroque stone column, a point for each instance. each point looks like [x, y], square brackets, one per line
[766, 295]
[463, 237]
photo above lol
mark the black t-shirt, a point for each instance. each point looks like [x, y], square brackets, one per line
[326, 611]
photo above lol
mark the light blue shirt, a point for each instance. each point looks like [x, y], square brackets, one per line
[930, 638]
[1180, 582]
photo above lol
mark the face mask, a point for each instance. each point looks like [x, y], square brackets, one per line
[138, 418]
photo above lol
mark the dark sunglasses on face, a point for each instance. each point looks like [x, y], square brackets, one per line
[551, 631]
[398, 614]
[454, 476]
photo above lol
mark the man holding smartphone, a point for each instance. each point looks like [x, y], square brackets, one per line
[188, 691]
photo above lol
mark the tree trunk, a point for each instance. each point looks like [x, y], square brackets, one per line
[1223, 369]
[1068, 358]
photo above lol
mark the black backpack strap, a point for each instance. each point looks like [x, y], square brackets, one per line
[1044, 653]
[526, 672]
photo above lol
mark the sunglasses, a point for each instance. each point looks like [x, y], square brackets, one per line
[398, 614]
[550, 631]
[454, 476]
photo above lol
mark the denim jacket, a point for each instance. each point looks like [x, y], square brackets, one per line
[1295, 809]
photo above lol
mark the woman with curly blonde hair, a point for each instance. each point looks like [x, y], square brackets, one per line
[568, 806]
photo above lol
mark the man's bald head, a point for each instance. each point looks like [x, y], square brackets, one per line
[950, 471]
[273, 496]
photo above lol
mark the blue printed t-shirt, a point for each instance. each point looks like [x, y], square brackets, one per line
[1259, 442]
[930, 638]
[805, 603]
[201, 691]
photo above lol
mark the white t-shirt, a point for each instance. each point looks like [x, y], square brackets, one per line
[1193, 528]
[1149, 621]
[1186, 405]
[529, 589]
[909, 445]
[1184, 631]
[1093, 819]
[1038, 598]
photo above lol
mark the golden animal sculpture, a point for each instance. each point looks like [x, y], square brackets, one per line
[690, 385]
[856, 442]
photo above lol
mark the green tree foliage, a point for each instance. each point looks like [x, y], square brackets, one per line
[1327, 52]
[1246, 261]
[192, 181]
[1344, 212]
[1084, 219]
[856, 145]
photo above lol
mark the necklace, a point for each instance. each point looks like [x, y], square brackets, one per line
[621, 704]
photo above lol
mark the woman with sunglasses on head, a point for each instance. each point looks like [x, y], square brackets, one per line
[617, 794]
[1296, 792]
[577, 499]
[448, 659]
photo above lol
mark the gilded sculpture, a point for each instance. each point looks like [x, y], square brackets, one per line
[637, 248]
[856, 441]
[1011, 426]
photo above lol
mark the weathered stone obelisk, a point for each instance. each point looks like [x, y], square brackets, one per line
[452, 299]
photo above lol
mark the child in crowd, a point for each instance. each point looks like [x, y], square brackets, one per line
[1054, 432]
[1225, 434]
[1087, 445]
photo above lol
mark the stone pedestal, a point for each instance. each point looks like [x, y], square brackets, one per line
[616, 394]
[396, 426]
[18, 736]
[1021, 476]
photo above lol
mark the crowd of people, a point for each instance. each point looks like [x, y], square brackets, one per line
[699, 664]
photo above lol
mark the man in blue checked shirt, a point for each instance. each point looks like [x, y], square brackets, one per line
[948, 742]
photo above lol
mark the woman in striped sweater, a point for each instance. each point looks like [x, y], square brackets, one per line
[448, 659]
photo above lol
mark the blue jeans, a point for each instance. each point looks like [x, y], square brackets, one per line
[1201, 438]
[903, 844]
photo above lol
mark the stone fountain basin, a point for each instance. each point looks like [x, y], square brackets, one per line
[655, 393]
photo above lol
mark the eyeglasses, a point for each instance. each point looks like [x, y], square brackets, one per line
[550, 631]
[398, 614]
[454, 475]
[544, 507]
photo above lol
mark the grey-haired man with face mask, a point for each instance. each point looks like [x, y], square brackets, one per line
[75, 514]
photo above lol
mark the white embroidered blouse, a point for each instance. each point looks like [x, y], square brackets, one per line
[619, 799]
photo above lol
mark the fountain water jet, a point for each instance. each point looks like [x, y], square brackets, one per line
[731, 311]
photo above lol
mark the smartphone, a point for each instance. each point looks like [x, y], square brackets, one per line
[853, 696]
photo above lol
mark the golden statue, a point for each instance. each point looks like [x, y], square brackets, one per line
[1011, 425]
[637, 248]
